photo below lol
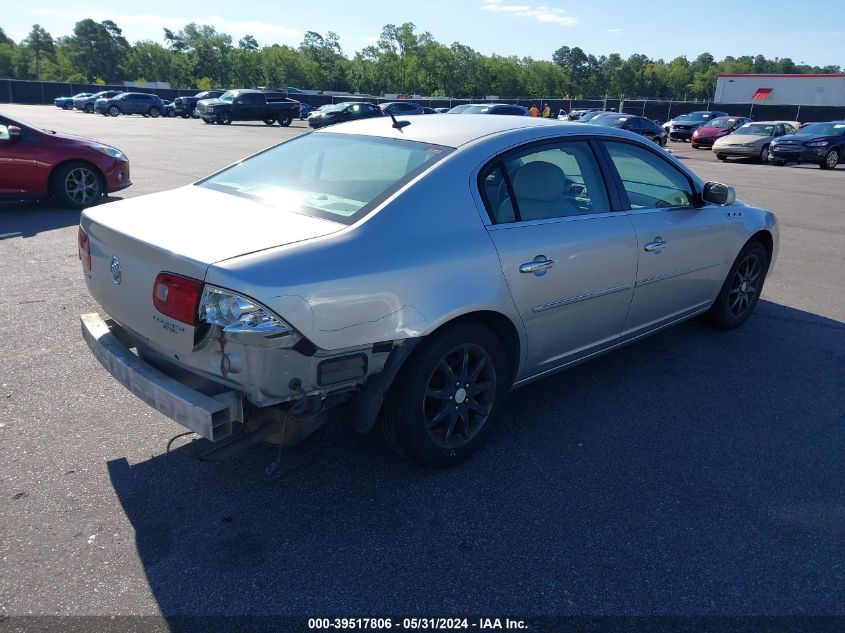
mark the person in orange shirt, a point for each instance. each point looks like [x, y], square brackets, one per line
[534, 110]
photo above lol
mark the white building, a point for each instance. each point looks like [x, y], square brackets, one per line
[811, 90]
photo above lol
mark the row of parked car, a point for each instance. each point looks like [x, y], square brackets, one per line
[775, 142]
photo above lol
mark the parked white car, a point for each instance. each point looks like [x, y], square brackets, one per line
[414, 271]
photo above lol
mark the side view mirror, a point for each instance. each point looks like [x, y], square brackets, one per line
[14, 132]
[717, 193]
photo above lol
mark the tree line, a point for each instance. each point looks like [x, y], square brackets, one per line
[402, 60]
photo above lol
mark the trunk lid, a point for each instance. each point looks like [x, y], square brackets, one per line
[182, 231]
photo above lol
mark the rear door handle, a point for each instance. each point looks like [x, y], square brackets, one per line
[656, 246]
[538, 266]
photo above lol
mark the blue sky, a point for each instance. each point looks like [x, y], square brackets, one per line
[811, 32]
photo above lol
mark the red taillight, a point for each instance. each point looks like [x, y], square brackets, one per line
[177, 297]
[84, 249]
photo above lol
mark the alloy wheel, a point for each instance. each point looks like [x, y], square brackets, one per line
[745, 286]
[82, 186]
[459, 395]
[832, 159]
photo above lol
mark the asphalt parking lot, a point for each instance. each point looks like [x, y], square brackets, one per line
[694, 473]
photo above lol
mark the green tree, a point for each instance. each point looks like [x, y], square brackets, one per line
[34, 50]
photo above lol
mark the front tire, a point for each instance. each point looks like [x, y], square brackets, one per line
[89, 108]
[114, 111]
[224, 119]
[741, 290]
[154, 112]
[77, 185]
[764, 154]
[722, 157]
[831, 159]
[445, 400]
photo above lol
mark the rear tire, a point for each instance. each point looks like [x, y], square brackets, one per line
[444, 403]
[154, 112]
[285, 120]
[77, 184]
[269, 121]
[741, 290]
[721, 157]
[89, 108]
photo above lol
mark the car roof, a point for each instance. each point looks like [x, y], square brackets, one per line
[448, 131]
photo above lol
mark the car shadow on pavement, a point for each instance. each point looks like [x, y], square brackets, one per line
[697, 471]
[29, 218]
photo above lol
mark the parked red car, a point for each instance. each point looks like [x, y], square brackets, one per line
[716, 128]
[36, 163]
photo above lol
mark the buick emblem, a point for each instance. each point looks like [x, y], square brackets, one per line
[116, 272]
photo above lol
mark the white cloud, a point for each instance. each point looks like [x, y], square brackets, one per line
[541, 13]
[254, 27]
[235, 28]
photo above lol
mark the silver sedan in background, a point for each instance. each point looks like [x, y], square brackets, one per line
[752, 139]
[412, 272]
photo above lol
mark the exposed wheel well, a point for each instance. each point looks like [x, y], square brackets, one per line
[504, 330]
[765, 238]
[51, 178]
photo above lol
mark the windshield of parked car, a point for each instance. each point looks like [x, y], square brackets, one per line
[824, 129]
[721, 122]
[337, 107]
[756, 129]
[337, 177]
[4, 120]
[458, 109]
[227, 96]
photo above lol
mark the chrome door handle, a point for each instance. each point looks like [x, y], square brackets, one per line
[538, 266]
[656, 246]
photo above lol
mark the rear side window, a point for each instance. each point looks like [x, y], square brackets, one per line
[548, 181]
[649, 181]
[337, 177]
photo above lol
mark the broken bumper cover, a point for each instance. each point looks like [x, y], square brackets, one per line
[208, 416]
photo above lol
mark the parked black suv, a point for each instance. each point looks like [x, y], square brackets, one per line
[403, 108]
[131, 103]
[820, 143]
[187, 106]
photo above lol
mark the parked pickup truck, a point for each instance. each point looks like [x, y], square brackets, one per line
[186, 106]
[249, 105]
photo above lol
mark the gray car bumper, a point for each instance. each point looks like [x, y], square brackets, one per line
[208, 416]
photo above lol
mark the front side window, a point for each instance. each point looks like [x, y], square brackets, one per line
[649, 181]
[555, 180]
[337, 177]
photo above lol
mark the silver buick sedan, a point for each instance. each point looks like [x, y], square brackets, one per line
[410, 273]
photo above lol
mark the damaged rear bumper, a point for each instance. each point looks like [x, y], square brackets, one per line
[210, 416]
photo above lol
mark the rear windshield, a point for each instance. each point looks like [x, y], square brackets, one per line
[477, 109]
[336, 177]
[611, 121]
